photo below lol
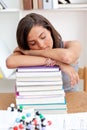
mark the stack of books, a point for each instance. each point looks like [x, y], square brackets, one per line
[40, 87]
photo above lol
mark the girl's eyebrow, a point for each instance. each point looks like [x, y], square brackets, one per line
[41, 34]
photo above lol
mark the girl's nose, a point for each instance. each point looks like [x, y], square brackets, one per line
[41, 45]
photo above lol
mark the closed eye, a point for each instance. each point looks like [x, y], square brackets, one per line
[32, 43]
[43, 37]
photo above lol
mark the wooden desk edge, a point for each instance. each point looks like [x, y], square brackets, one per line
[76, 101]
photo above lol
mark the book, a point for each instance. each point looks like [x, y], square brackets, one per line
[42, 93]
[53, 112]
[20, 83]
[38, 88]
[27, 4]
[44, 78]
[38, 69]
[40, 100]
[38, 74]
[35, 4]
[55, 106]
[40, 4]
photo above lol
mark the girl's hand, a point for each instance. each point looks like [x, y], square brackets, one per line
[50, 62]
[69, 70]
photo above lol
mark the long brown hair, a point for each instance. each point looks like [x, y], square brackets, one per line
[26, 24]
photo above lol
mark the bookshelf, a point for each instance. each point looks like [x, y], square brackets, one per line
[67, 17]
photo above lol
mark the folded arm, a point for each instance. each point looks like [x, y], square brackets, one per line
[69, 54]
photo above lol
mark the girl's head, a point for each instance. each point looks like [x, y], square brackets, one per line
[36, 32]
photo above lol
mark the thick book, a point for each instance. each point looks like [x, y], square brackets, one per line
[38, 74]
[39, 88]
[26, 83]
[48, 108]
[42, 93]
[55, 106]
[38, 68]
[40, 100]
[44, 78]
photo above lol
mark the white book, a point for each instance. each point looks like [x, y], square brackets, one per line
[47, 4]
[55, 78]
[54, 112]
[42, 93]
[37, 74]
[38, 88]
[35, 4]
[40, 100]
[25, 83]
[57, 106]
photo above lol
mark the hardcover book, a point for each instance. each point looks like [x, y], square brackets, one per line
[19, 83]
[38, 69]
[39, 88]
[42, 93]
[41, 100]
[38, 74]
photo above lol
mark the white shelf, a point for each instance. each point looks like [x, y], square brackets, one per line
[9, 10]
[72, 6]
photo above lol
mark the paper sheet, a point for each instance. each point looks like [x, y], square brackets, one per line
[77, 121]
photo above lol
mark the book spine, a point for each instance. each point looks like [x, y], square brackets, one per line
[39, 83]
[37, 74]
[27, 4]
[38, 68]
[40, 4]
[41, 100]
[42, 93]
[40, 79]
[35, 4]
[34, 88]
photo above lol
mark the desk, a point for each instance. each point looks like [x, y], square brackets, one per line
[76, 101]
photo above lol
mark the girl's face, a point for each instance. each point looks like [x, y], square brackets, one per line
[39, 38]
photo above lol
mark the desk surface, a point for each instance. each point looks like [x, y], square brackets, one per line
[76, 101]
